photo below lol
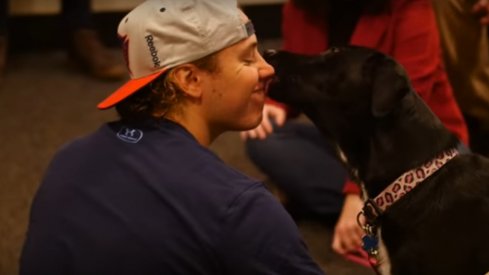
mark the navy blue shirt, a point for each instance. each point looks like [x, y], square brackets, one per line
[152, 200]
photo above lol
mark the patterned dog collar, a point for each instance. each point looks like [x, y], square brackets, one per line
[407, 181]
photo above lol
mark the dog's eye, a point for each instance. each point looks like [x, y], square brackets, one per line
[334, 49]
[294, 78]
[330, 51]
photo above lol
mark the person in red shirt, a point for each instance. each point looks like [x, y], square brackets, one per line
[293, 154]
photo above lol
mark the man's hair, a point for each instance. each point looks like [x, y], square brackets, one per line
[155, 100]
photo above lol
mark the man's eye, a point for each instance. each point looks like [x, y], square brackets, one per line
[249, 59]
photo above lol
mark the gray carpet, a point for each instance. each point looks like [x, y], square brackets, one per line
[45, 102]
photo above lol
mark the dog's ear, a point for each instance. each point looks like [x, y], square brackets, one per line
[389, 85]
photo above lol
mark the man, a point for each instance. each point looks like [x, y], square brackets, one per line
[144, 195]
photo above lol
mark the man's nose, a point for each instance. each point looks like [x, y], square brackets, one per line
[266, 70]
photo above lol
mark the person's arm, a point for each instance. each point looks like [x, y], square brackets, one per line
[259, 237]
[347, 236]
[416, 44]
[417, 48]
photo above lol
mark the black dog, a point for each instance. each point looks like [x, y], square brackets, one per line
[363, 103]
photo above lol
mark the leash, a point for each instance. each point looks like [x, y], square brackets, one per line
[370, 243]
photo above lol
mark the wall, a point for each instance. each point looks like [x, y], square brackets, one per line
[32, 7]
[33, 17]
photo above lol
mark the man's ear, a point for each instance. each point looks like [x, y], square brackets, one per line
[389, 85]
[189, 79]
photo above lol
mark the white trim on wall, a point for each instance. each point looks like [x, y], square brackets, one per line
[260, 2]
[29, 7]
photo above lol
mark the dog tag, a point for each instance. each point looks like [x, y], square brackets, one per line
[370, 243]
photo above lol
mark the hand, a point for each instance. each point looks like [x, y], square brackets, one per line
[481, 8]
[347, 233]
[265, 128]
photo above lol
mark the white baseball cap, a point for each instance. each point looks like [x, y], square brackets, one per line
[160, 34]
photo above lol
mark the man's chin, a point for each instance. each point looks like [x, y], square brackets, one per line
[256, 122]
[250, 124]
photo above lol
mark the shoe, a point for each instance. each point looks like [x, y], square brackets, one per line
[3, 53]
[89, 52]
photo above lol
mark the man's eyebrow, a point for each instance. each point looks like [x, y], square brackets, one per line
[251, 46]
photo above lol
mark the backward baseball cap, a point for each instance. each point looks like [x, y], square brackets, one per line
[161, 34]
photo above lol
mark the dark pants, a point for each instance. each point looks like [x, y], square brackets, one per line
[75, 14]
[297, 159]
[466, 56]
[4, 16]
[479, 136]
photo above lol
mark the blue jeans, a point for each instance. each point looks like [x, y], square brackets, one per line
[297, 159]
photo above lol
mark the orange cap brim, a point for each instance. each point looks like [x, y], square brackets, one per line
[127, 89]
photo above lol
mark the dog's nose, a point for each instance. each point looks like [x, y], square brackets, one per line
[269, 53]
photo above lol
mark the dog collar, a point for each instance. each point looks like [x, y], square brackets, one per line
[373, 208]
[405, 183]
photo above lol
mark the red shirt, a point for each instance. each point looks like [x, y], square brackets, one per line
[407, 32]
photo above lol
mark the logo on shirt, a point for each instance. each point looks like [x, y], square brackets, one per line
[130, 135]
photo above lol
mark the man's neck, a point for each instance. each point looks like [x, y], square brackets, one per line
[196, 125]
